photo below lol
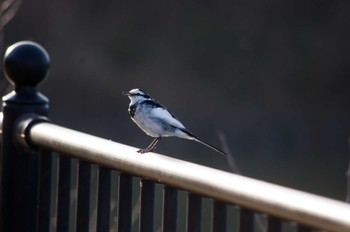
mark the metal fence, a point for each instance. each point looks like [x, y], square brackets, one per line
[57, 179]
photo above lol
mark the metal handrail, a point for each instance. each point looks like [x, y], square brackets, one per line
[290, 204]
[26, 178]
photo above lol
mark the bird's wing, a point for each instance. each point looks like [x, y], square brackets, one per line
[159, 111]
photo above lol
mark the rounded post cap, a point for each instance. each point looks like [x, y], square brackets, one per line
[26, 64]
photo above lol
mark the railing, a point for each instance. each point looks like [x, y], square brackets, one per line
[33, 198]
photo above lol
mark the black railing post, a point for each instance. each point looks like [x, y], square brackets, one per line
[26, 65]
[246, 222]
[219, 216]
[104, 199]
[194, 212]
[84, 193]
[63, 194]
[304, 228]
[125, 203]
[274, 224]
[147, 205]
[170, 209]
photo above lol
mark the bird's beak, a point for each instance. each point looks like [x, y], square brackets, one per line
[126, 93]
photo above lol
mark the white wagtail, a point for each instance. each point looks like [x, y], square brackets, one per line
[156, 121]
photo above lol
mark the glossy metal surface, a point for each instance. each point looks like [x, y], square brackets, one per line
[282, 202]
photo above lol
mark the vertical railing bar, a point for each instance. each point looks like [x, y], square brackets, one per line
[104, 199]
[304, 228]
[194, 212]
[170, 199]
[45, 193]
[125, 203]
[31, 181]
[63, 196]
[147, 205]
[219, 216]
[246, 223]
[54, 191]
[114, 200]
[274, 224]
[83, 199]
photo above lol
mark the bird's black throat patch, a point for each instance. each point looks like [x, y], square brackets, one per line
[132, 110]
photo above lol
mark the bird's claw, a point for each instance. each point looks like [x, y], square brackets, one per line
[144, 150]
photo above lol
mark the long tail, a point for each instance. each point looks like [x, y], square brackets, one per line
[188, 135]
[210, 146]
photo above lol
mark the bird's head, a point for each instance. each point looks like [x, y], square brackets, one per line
[137, 95]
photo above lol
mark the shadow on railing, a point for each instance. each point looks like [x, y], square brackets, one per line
[92, 184]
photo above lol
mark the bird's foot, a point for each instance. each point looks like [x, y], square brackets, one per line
[145, 150]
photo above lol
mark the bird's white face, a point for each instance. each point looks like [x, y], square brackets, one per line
[137, 95]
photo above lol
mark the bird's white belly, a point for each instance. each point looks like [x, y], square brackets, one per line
[149, 125]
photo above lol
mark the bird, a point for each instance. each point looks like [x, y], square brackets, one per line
[156, 121]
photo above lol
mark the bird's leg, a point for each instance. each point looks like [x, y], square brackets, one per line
[150, 147]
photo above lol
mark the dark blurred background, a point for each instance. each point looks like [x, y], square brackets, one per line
[273, 76]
